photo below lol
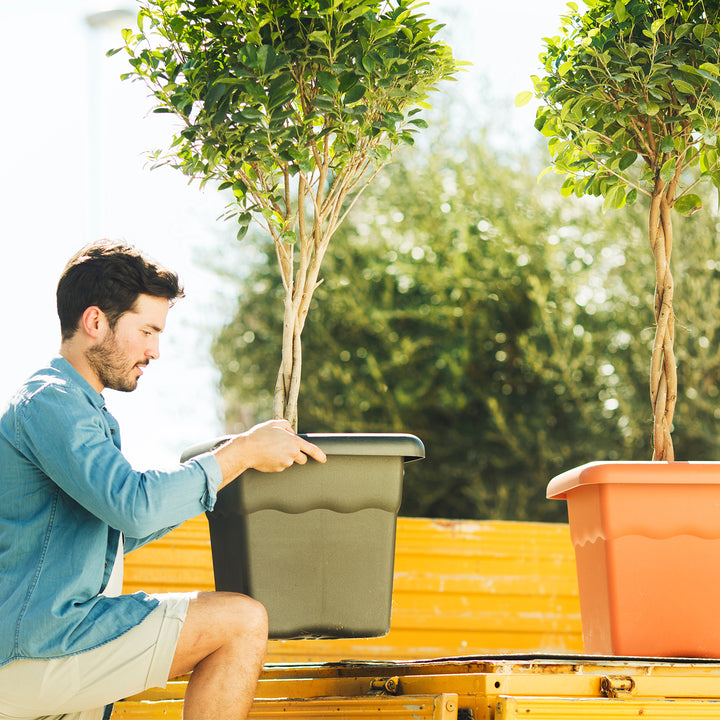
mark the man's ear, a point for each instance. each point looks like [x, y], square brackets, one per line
[94, 322]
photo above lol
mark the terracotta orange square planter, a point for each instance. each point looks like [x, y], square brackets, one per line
[647, 547]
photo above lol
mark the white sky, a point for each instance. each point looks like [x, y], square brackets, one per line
[73, 170]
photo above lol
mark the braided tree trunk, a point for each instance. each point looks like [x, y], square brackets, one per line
[663, 373]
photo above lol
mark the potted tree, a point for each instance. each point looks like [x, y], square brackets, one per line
[631, 107]
[294, 106]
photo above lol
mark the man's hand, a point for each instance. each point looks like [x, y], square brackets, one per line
[269, 447]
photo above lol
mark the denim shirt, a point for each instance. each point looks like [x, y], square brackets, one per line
[66, 495]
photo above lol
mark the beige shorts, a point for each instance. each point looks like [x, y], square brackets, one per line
[78, 687]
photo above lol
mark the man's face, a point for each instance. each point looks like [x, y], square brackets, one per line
[119, 358]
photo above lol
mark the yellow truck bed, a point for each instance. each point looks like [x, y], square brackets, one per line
[485, 625]
[562, 688]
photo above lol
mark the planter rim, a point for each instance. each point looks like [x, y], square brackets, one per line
[634, 473]
[402, 445]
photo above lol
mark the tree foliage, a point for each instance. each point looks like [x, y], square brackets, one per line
[293, 105]
[506, 328]
[631, 106]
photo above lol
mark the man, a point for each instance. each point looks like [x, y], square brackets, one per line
[70, 505]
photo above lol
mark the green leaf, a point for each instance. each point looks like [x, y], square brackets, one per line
[281, 90]
[614, 197]
[523, 98]
[248, 115]
[239, 188]
[320, 36]
[328, 82]
[568, 187]
[354, 94]
[657, 24]
[369, 63]
[323, 103]
[708, 160]
[699, 31]
[545, 172]
[214, 94]
[620, 11]
[688, 204]
[667, 172]
[270, 60]
[667, 145]
[627, 160]
[684, 87]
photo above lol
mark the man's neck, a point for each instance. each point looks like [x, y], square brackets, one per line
[75, 355]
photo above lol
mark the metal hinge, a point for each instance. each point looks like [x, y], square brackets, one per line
[386, 686]
[613, 686]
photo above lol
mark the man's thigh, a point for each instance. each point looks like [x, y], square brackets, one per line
[85, 683]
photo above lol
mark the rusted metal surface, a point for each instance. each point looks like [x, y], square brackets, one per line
[479, 683]
[617, 686]
[387, 686]
[543, 708]
[484, 687]
[436, 707]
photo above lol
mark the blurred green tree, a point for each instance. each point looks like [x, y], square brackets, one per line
[482, 312]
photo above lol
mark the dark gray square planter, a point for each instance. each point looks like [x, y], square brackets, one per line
[316, 543]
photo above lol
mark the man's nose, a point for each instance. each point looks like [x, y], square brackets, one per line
[153, 350]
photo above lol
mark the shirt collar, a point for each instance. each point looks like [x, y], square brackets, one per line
[64, 367]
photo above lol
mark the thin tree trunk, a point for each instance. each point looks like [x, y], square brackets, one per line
[287, 385]
[287, 369]
[300, 267]
[663, 372]
[285, 256]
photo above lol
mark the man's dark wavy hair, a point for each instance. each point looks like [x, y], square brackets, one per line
[109, 275]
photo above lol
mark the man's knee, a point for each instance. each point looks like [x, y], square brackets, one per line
[250, 616]
[217, 620]
[234, 616]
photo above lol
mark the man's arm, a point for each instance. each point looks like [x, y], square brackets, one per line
[269, 447]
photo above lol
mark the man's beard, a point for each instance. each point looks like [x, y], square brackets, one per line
[113, 368]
